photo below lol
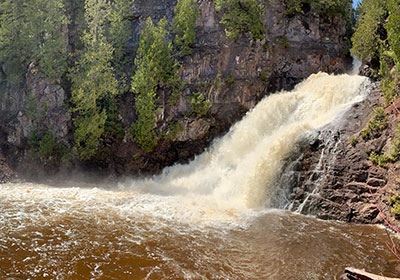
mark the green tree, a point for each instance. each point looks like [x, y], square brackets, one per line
[155, 69]
[366, 39]
[241, 16]
[184, 23]
[393, 28]
[93, 80]
[119, 29]
[32, 31]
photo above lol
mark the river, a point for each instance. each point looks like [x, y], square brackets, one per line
[210, 219]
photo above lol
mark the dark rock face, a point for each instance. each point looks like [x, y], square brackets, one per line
[292, 49]
[338, 181]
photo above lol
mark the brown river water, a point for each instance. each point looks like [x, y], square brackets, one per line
[210, 219]
[89, 233]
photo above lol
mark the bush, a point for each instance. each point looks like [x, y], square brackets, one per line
[353, 141]
[45, 148]
[380, 160]
[322, 7]
[200, 105]
[394, 202]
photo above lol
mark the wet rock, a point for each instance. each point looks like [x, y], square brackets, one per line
[348, 176]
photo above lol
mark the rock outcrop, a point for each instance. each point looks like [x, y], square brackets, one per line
[334, 179]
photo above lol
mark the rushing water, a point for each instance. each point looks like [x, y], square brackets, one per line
[206, 220]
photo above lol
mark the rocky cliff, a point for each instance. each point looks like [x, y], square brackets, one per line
[233, 74]
[335, 177]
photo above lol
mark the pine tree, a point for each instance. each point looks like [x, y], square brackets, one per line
[366, 39]
[93, 80]
[155, 68]
[31, 31]
[393, 28]
[184, 23]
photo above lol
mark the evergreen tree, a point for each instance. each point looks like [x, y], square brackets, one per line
[93, 80]
[155, 68]
[366, 39]
[393, 28]
[186, 14]
[119, 29]
[31, 31]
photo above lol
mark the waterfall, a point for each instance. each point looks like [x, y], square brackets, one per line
[240, 170]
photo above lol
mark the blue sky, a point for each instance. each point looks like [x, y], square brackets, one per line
[355, 3]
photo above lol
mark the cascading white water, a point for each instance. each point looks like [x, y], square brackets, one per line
[240, 169]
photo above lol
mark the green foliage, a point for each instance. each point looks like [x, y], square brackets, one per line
[155, 68]
[293, 7]
[263, 76]
[353, 141]
[366, 39]
[378, 159]
[184, 23]
[241, 16]
[113, 126]
[375, 125]
[31, 31]
[174, 128]
[230, 79]
[393, 27]
[322, 7]
[200, 105]
[143, 129]
[45, 147]
[119, 27]
[31, 108]
[390, 90]
[394, 202]
[93, 80]
[393, 153]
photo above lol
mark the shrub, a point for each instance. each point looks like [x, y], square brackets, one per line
[353, 141]
[200, 105]
[394, 202]
[380, 160]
